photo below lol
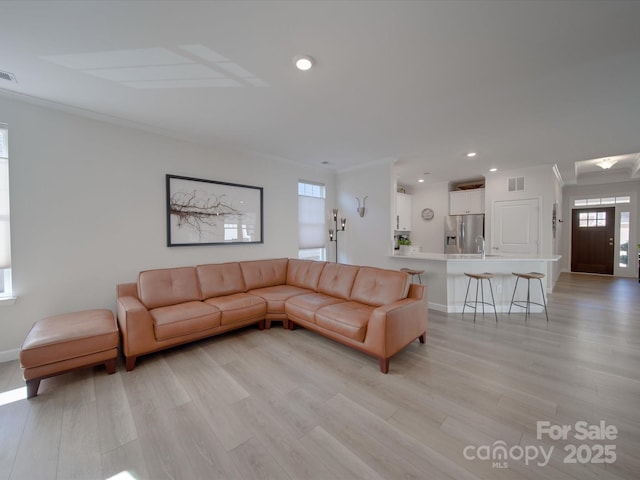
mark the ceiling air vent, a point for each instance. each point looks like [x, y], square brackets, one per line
[9, 77]
[516, 184]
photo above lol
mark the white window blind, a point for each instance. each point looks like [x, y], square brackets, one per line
[5, 238]
[311, 216]
[311, 232]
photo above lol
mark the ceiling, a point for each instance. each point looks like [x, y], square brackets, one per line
[423, 83]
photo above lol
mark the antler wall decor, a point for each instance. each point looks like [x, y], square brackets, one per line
[361, 209]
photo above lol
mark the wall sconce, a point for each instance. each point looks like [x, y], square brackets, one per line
[333, 232]
[361, 209]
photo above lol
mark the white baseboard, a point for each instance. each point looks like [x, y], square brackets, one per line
[9, 355]
[438, 306]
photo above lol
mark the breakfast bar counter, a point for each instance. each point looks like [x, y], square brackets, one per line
[447, 284]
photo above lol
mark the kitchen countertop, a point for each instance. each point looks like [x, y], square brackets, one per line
[476, 257]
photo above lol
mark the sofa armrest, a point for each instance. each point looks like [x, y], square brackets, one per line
[392, 327]
[127, 290]
[416, 291]
[136, 326]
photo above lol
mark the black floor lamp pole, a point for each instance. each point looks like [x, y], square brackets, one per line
[333, 232]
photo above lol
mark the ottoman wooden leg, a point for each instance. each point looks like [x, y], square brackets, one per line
[110, 365]
[32, 387]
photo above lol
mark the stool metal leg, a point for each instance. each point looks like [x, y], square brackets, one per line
[475, 309]
[495, 312]
[514, 294]
[544, 302]
[465, 295]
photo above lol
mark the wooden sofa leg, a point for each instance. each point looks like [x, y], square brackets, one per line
[384, 365]
[292, 325]
[32, 387]
[423, 337]
[110, 365]
[263, 323]
[285, 323]
[130, 363]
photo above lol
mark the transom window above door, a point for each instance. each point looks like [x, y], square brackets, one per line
[592, 219]
[588, 202]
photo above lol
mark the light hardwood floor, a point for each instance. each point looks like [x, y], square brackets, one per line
[284, 404]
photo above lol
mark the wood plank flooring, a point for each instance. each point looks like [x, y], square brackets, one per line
[281, 404]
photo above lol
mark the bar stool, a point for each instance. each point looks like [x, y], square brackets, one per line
[479, 277]
[526, 304]
[413, 273]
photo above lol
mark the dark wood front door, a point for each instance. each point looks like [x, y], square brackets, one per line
[592, 240]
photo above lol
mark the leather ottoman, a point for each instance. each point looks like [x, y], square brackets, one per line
[62, 343]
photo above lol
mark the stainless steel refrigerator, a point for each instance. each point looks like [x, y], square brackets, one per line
[461, 232]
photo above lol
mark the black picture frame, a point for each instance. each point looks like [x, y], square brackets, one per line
[209, 212]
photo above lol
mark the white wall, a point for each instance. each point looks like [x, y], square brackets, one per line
[540, 182]
[429, 234]
[88, 209]
[367, 240]
[631, 188]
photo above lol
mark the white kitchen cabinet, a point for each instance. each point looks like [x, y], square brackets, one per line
[465, 202]
[403, 212]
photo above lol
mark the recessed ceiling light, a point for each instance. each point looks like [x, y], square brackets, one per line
[493, 169]
[471, 154]
[303, 62]
[421, 180]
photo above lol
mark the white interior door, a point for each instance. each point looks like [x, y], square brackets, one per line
[516, 226]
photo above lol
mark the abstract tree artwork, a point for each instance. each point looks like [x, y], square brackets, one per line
[208, 212]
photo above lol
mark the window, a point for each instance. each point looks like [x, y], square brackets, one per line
[592, 219]
[311, 227]
[5, 236]
[590, 202]
[624, 239]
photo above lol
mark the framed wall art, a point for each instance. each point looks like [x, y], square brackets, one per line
[207, 212]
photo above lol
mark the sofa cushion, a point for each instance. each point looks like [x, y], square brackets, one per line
[277, 295]
[336, 280]
[264, 273]
[183, 319]
[305, 306]
[239, 307]
[349, 319]
[304, 273]
[375, 286]
[169, 286]
[220, 279]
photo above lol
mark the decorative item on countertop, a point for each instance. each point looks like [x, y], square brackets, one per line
[333, 232]
[405, 245]
[361, 209]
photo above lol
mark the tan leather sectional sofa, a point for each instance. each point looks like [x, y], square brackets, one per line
[373, 310]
